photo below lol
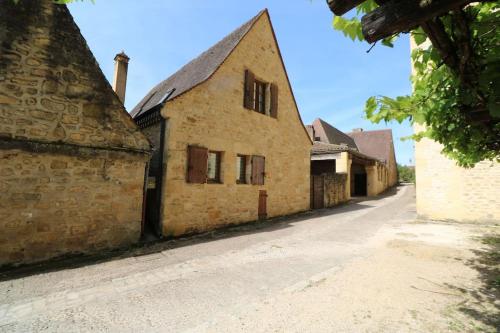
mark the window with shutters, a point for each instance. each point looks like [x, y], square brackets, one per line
[241, 169]
[213, 167]
[260, 96]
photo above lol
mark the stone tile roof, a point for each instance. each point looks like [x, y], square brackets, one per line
[321, 148]
[374, 143]
[195, 72]
[329, 134]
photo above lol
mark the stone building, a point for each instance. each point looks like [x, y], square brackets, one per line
[380, 145]
[231, 146]
[446, 191]
[336, 158]
[72, 161]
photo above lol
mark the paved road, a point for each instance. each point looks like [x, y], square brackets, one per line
[186, 287]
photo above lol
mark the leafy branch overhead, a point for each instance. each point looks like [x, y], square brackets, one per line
[456, 62]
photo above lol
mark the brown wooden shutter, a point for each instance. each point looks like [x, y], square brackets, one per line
[258, 170]
[274, 100]
[197, 165]
[248, 100]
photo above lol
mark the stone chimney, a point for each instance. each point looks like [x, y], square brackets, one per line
[311, 132]
[357, 130]
[120, 78]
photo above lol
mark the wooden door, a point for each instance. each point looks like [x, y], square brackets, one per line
[262, 204]
[317, 192]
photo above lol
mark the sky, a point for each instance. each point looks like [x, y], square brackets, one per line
[331, 76]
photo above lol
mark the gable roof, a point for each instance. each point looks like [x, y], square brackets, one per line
[375, 143]
[329, 134]
[65, 50]
[196, 71]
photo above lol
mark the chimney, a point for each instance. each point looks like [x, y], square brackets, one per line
[357, 130]
[120, 78]
[311, 132]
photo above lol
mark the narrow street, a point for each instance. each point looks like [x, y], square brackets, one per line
[367, 266]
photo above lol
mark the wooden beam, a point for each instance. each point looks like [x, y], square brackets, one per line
[340, 7]
[402, 15]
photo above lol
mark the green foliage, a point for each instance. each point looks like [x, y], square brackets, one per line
[440, 100]
[406, 174]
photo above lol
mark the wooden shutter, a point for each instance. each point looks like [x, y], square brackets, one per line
[274, 100]
[258, 170]
[248, 100]
[197, 165]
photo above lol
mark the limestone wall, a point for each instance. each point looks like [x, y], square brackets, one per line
[51, 87]
[72, 161]
[379, 178]
[335, 189]
[448, 192]
[212, 115]
[53, 204]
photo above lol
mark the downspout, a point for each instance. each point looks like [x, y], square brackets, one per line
[159, 197]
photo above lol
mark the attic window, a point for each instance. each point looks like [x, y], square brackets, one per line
[260, 96]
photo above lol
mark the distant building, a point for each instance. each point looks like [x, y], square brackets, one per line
[72, 161]
[339, 170]
[230, 144]
[380, 145]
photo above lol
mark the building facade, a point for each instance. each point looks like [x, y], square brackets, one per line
[446, 191]
[336, 159]
[230, 144]
[72, 161]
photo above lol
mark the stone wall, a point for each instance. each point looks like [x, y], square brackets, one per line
[448, 192]
[72, 161]
[54, 204]
[212, 115]
[335, 189]
[51, 87]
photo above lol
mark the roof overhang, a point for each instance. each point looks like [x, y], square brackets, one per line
[326, 157]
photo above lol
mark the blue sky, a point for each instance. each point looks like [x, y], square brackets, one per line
[331, 76]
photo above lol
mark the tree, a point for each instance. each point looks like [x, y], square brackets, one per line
[456, 81]
[406, 173]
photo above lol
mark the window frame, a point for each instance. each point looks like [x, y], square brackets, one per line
[260, 91]
[243, 169]
[218, 164]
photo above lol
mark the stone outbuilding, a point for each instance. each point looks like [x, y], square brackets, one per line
[378, 144]
[230, 144]
[341, 169]
[72, 161]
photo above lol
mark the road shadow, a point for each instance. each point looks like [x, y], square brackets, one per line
[74, 261]
[483, 303]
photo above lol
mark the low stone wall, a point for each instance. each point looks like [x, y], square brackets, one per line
[335, 189]
[53, 204]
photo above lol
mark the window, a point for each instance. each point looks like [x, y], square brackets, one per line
[260, 96]
[203, 165]
[213, 169]
[241, 169]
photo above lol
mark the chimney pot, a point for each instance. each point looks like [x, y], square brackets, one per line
[120, 78]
